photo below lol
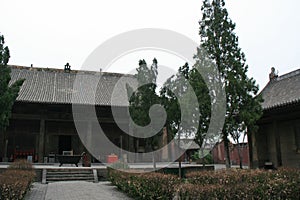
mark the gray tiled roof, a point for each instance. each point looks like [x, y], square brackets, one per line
[56, 86]
[282, 91]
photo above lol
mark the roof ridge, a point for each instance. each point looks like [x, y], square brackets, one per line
[282, 91]
[57, 87]
[288, 75]
[46, 69]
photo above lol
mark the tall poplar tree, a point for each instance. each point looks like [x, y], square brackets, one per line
[8, 93]
[221, 43]
[140, 102]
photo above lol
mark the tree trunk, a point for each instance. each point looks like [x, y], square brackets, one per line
[239, 149]
[240, 155]
[226, 151]
[179, 169]
[179, 163]
[136, 150]
[203, 157]
[154, 160]
[154, 156]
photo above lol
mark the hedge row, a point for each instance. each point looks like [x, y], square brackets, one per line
[145, 185]
[224, 184]
[228, 177]
[16, 181]
[242, 184]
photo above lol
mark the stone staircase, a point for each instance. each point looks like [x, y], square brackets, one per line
[53, 175]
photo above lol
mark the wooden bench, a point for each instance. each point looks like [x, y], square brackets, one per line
[68, 159]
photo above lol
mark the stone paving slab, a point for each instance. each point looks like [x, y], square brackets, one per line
[38, 191]
[73, 190]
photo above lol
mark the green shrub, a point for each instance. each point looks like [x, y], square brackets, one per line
[226, 177]
[223, 184]
[21, 164]
[242, 184]
[208, 159]
[145, 185]
[280, 189]
[15, 183]
[119, 165]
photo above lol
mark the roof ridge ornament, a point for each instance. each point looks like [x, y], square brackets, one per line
[273, 75]
[67, 67]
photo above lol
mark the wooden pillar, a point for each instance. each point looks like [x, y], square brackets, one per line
[131, 144]
[165, 151]
[297, 138]
[124, 138]
[277, 144]
[36, 148]
[253, 157]
[4, 145]
[89, 134]
[2, 148]
[41, 141]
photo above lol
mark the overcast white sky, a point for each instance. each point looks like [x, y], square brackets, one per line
[51, 33]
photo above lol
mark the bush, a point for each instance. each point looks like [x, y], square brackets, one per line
[226, 177]
[208, 159]
[119, 165]
[15, 183]
[223, 184]
[242, 184]
[145, 185]
[21, 164]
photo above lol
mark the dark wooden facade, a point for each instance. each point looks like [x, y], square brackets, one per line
[42, 122]
[45, 129]
[277, 140]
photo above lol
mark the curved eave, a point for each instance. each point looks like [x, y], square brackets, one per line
[281, 105]
[68, 103]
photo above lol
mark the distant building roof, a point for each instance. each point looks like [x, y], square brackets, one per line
[281, 91]
[55, 86]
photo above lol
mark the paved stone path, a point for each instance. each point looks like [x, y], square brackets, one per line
[73, 190]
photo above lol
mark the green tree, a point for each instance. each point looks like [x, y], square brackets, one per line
[181, 85]
[221, 43]
[141, 100]
[8, 92]
[204, 101]
[174, 88]
[177, 86]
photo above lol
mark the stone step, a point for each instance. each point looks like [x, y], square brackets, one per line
[53, 175]
[69, 172]
[54, 179]
[70, 175]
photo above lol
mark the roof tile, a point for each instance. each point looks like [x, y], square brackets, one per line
[282, 91]
[56, 86]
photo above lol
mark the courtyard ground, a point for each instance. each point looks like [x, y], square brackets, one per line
[85, 190]
[73, 190]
